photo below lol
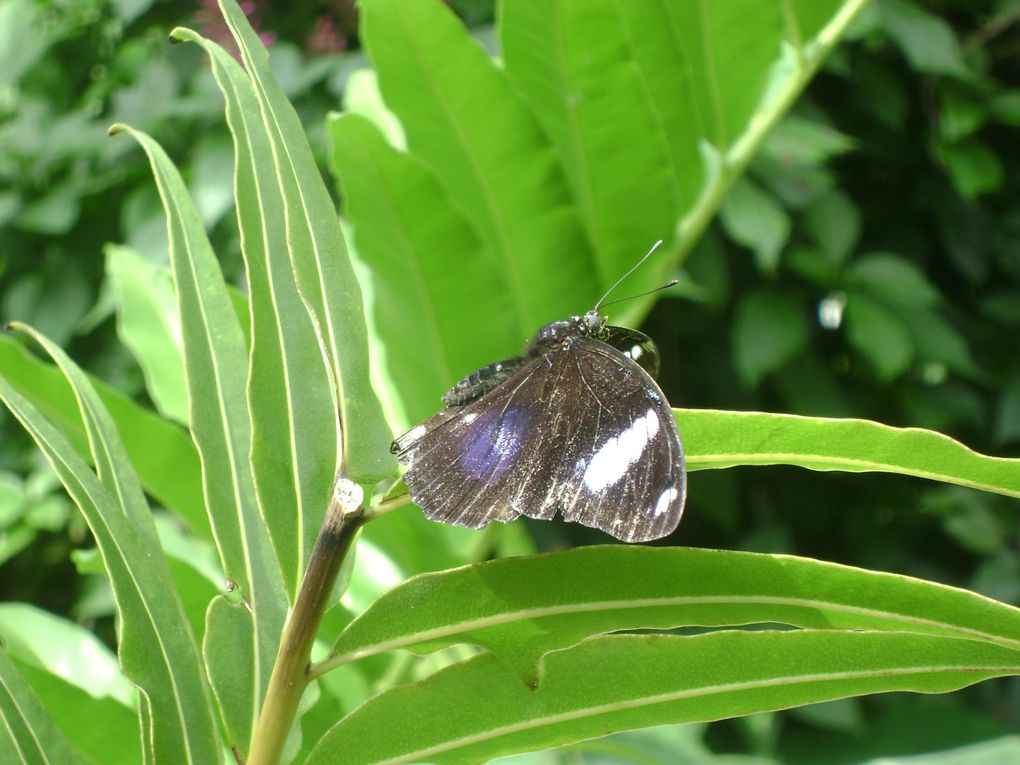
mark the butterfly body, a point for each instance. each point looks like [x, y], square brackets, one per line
[577, 425]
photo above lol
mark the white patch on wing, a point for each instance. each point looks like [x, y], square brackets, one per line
[616, 455]
[665, 500]
[469, 417]
[415, 433]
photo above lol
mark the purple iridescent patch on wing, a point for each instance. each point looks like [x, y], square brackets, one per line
[492, 442]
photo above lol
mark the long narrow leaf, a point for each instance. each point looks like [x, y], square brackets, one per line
[163, 455]
[522, 608]
[156, 649]
[111, 461]
[319, 258]
[294, 430]
[720, 439]
[216, 363]
[31, 734]
[479, 709]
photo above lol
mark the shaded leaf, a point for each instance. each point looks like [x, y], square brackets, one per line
[893, 279]
[770, 328]
[756, 220]
[165, 458]
[878, 336]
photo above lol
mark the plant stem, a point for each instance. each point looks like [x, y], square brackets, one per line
[290, 672]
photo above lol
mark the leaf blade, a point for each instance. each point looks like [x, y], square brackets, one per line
[465, 120]
[721, 439]
[724, 674]
[523, 608]
[165, 458]
[30, 731]
[157, 650]
[324, 273]
[406, 226]
[215, 364]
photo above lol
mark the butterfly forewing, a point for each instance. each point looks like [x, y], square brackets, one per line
[581, 430]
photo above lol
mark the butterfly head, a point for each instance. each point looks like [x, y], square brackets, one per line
[592, 323]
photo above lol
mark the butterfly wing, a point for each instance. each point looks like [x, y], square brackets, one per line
[617, 462]
[582, 430]
[463, 461]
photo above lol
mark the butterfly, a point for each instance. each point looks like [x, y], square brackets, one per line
[576, 425]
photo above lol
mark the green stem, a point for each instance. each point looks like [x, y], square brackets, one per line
[290, 672]
[733, 160]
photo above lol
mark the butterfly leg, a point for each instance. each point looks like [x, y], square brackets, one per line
[481, 381]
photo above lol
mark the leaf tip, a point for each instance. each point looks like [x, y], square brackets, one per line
[183, 34]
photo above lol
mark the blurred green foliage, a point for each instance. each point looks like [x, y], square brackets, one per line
[868, 265]
[69, 69]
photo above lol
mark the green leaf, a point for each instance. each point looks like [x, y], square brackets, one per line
[102, 730]
[718, 439]
[28, 731]
[960, 114]
[770, 329]
[78, 680]
[406, 229]
[165, 458]
[627, 681]
[325, 277]
[835, 223]
[362, 97]
[798, 140]
[936, 340]
[149, 326]
[195, 569]
[878, 336]
[215, 362]
[64, 649]
[756, 220]
[974, 168]
[927, 41]
[893, 279]
[594, 91]
[465, 120]
[650, 111]
[157, 650]
[228, 650]
[291, 398]
[523, 608]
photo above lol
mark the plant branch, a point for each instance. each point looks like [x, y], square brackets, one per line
[290, 672]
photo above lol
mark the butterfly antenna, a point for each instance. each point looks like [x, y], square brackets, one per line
[666, 286]
[619, 281]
